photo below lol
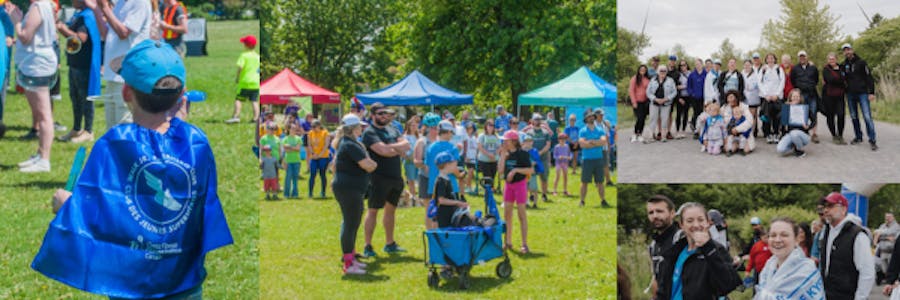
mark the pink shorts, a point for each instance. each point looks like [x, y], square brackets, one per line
[516, 192]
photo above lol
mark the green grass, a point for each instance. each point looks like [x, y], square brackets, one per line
[25, 204]
[573, 254]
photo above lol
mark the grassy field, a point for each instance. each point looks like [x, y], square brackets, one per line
[573, 254]
[25, 204]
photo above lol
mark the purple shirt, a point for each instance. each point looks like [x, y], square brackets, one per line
[562, 154]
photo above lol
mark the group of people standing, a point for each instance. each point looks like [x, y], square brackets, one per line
[723, 107]
[98, 36]
[831, 258]
[439, 156]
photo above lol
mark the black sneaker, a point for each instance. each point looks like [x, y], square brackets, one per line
[728, 153]
[874, 146]
[610, 183]
[743, 153]
[856, 141]
[581, 204]
[268, 197]
[799, 153]
[604, 204]
[32, 134]
[545, 198]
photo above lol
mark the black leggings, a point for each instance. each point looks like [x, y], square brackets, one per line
[834, 113]
[350, 197]
[697, 105]
[641, 112]
[681, 113]
[487, 169]
[772, 111]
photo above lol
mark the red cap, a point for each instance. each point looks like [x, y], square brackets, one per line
[835, 198]
[249, 40]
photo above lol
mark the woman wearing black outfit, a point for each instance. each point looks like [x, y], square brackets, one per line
[695, 267]
[351, 180]
[833, 97]
[637, 92]
[683, 99]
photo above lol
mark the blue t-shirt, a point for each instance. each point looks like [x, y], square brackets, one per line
[430, 154]
[572, 132]
[588, 134]
[676, 275]
[502, 123]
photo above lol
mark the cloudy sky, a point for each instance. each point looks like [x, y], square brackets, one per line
[701, 25]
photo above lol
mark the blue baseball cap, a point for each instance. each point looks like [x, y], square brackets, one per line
[148, 62]
[444, 157]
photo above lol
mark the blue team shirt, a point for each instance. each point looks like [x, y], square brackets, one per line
[676, 275]
[502, 123]
[588, 134]
[572, 132]
[430, 154]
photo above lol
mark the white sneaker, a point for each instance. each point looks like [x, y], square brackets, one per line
[640, 139]
[56, 97]
[41, 165]
[31, 160]
[359, 264]
[232, 121]
[702, 149]
[633, 138]
[354, 270]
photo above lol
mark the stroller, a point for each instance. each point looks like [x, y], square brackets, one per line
[461, 248]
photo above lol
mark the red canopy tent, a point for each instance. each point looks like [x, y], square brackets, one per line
[279, 89]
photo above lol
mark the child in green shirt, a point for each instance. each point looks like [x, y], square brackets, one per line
[247, 80]
[292, 144]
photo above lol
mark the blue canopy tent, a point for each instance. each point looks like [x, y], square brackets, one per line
[415, 89]
[582, 89]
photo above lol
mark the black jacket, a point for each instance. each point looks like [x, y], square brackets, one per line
[859, 77]
[707, 274]
[805, 80]
[833, 81]
[893, 271]
[721, 85]
[662, 242]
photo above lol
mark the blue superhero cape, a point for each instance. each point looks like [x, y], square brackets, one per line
[536, 159]
[94, 34]
[142, 216]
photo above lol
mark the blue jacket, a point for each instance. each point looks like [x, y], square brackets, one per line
[695, 84]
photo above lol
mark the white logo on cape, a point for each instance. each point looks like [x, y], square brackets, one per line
[160, 193]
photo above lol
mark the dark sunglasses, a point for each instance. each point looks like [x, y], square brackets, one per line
[381, 113]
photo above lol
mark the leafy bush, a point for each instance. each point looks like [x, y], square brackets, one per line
[740, 226]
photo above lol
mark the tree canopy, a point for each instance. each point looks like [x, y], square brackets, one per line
[495, 49]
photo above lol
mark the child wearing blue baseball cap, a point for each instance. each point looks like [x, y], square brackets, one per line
[448, 200]
[145, 211]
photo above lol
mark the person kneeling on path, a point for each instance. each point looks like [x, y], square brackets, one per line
[796, 137]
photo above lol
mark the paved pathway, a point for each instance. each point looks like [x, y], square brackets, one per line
[680, 161]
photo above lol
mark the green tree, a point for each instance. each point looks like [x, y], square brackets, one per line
[803, 25]
[498, 49]
[331, 43]
[630, 46]
[726, 51]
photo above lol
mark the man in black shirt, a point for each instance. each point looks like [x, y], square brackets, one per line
[860, 92]
[385, 145]
[660, 212]
[805, 77]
